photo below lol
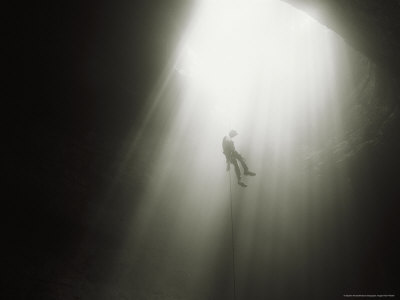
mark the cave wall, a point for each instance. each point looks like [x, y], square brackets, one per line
[371, 27]
[370, 146]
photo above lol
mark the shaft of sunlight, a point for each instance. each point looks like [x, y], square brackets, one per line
[270, 72]
[260, 67]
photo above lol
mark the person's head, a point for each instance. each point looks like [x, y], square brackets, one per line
[233, 133]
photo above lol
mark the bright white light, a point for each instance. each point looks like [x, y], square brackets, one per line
[259, 65]
[270, 72]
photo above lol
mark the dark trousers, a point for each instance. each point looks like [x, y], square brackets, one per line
[235, 157]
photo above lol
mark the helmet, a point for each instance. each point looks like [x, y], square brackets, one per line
[233, 133]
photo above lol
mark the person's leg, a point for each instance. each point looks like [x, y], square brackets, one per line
[244, 165]
[242, 161]
[237, 170]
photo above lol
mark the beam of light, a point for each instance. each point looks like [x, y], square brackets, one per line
[258, 66]
[272, 73]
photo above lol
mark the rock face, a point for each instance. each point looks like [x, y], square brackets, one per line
[371, 144]
[369, 26]
[71, 129]
[372, 28]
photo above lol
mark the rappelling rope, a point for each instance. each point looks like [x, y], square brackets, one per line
[233, 236]
[233, 240]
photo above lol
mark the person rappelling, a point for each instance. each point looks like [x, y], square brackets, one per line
[232, 157]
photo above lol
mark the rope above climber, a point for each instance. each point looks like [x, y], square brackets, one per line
[232, 157]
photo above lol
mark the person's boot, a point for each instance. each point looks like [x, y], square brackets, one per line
[241, 183]
[249, 173]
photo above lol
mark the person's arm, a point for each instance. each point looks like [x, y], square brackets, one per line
[227, 150]
[228, 161]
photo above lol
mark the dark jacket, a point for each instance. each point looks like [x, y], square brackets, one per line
[228, 147]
